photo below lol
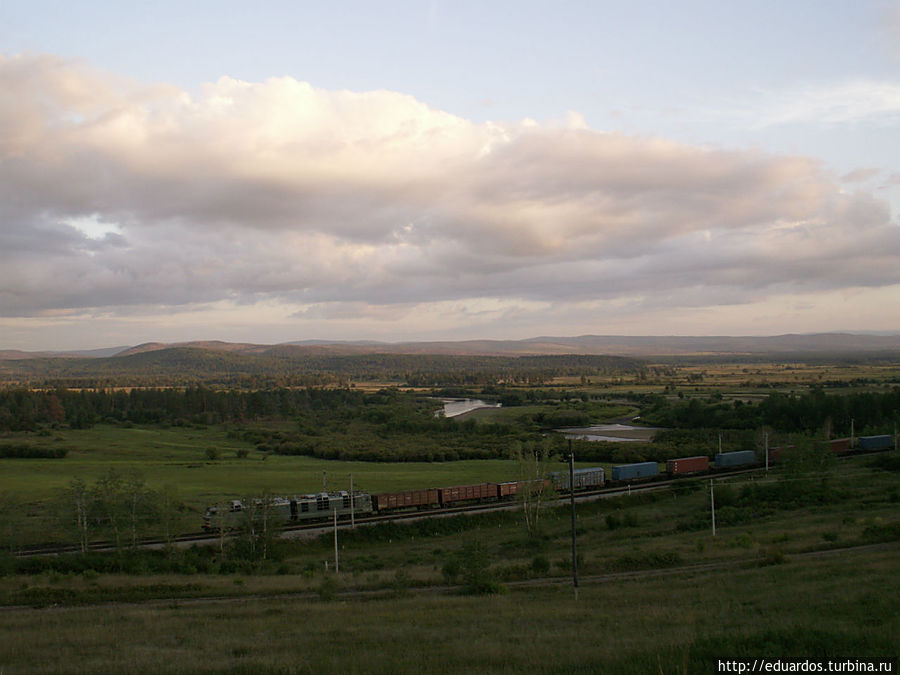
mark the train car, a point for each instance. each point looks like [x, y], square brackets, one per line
[883, 442]
[776, 453]
[284, 510]
[687, 465]
[467, 493]
[418, 499]
[635, 471]
[839, 445]
[585, 479]
[727, 460]
[510, 489]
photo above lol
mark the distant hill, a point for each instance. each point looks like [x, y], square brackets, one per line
[620, 345]
[17, 354]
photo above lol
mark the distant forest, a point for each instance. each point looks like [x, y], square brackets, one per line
[811, 412]
[292, 367]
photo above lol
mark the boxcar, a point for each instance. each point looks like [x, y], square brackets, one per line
[585, 479]
[512, 488]
[839, 445]
[467, 493]
[406, 500]
[875, 442]
[634, 471]
[683, 465]
[730, 459]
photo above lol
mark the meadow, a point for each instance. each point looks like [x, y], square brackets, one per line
[814, 574]
[803, 561]
[175, 459]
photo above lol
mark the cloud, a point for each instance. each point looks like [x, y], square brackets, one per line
[860, 175]
[852, 102]
[372, 205]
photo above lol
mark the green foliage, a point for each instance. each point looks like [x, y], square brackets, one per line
[646, 560]
[328, 588]
[882, 532]
[475, 569]
[540, 565]
[28, 451]
[773, 556]
[873, 412]
[451, 570]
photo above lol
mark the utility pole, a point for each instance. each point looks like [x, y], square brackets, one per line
[324, 484]
[337, 567]
[712, 501]
[352, 510]
[572, 502]
[767, 452]
[852, 440]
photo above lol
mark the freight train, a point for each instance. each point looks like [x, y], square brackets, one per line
[324, 505]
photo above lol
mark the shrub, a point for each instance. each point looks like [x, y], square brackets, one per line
[540, 565]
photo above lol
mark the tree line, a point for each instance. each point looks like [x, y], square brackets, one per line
[288, 366]
[870, 412]
[29, 410]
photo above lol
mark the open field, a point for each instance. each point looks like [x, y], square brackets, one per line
[663, 625]
[767, 598]
[175, 459]
[696, 376]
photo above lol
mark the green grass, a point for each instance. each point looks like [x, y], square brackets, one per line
[771, 599]
[804, 608]
[175, 458]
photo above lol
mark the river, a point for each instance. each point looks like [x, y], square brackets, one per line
[615, 433]
[458, 406]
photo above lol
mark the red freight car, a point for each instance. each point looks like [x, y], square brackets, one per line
[467, 493]
[512, 488]
[405, 500]
[508, 489]
[776, 452]
[685, 465]
[840, 445]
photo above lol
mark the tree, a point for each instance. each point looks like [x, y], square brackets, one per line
[140, 502]
[169, 505]
[81, 501]
[534, 462]
[109, 497]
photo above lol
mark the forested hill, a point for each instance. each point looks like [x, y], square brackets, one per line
[301, 366]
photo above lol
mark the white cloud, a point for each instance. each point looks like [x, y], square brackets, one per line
[372, 206]
[862, 101]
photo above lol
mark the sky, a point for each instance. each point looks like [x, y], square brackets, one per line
[278, 171]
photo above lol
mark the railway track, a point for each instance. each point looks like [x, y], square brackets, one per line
[314, 529]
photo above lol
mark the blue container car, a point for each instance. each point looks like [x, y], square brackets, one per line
[730, 459]
[875, 442]
[633, 471]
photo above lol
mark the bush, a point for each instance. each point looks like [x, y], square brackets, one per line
[540, 565]
[26, 451]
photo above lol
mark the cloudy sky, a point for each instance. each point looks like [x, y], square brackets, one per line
[409, 170]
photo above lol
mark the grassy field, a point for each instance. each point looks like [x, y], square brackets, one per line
[676, 624]
[175, 459]
[768, 597]
[741, 378]
[178, 456]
